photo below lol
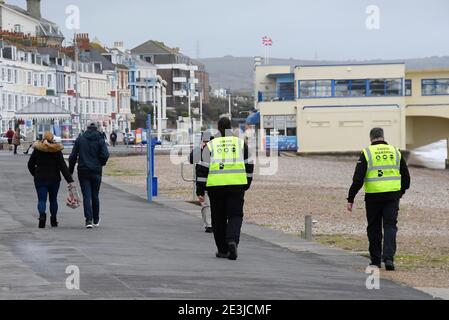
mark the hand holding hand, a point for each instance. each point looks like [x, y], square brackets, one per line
[201, 199]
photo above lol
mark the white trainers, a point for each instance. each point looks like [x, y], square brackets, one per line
[98, 223]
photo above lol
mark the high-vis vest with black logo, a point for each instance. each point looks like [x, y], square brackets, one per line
[383, 173]
[227, 164]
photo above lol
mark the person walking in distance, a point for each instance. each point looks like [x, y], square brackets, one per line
[45, 165]
[383, 172]
[91, 153]
[9, 135]
[225, 173]
[196, 159]
[16, 140]
[113, 138]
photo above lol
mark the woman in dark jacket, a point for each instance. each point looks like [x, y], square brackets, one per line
[45, 165]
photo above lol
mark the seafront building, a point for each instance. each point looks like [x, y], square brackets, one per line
[331, 108]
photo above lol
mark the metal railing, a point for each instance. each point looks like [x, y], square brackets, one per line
[269, 96]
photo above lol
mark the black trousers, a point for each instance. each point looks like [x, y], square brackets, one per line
[227, 217]
[382, 214]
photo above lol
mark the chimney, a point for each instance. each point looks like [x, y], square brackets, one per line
[83, 41]
[34, 8]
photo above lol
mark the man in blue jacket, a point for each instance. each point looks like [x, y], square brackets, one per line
[92, 154]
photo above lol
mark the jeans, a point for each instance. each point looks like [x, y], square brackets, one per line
[50, 188]
[382, 214]
[90, 188]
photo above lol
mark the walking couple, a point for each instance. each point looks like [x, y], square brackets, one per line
[47, 163]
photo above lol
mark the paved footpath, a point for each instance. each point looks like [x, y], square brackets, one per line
[154, 251]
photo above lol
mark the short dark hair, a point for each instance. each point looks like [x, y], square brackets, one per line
[376, 133]
[224, 124]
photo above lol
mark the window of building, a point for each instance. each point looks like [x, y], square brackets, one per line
[408, 87]
[3, 74]
[442, 87]
[94, 107]
[9, 75]
[428, 87]
[16, 76]
[17, 28]
[36, 80]
[377, 87]
[342, 88]
[49, 81]
[29, 78]
[307, 89]
[393, 87]
[358, 88]
[323, 88]
[42, 83]
[105, 108]
[10, 102]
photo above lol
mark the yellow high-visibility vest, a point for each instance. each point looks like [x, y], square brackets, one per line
[383, 173]
[227, 164]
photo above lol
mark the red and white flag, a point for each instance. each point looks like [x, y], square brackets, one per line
[267, 41]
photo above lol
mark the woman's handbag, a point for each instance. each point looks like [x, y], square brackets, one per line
[73, 198]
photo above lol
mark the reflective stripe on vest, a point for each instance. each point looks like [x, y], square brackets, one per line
[383, 172]
[227, 166]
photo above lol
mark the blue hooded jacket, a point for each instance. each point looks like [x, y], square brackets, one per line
[91, 152]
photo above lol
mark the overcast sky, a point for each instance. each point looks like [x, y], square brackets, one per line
[304, 29]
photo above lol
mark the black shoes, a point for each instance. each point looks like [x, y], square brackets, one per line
[389, 265]
[232, 251]
[42, 221]
[208, 230]
[222, 255]
[89, 224]
[53, 222]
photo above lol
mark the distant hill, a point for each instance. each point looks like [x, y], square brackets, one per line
[236, 73]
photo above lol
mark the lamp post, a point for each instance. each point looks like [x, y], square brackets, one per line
[230, 111]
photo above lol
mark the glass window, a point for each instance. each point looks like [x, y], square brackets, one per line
[442, 86]
[393, 87]
[428, 87]
[307, 89]
[342, 88]
[324, 88]
[408, 88]
[358, 88]
[268, 122]
[287, 90]
[377, 87]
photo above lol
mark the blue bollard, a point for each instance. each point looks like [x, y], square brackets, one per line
[154, 143]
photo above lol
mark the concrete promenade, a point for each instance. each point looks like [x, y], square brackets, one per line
[159, 251]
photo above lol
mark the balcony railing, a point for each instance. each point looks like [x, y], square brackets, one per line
[267, 96]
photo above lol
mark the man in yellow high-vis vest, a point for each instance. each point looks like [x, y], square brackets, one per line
[226, 173]
[383, 172]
